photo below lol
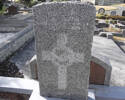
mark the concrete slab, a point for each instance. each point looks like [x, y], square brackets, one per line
[12, 42]
[14, 32]
[109, 93]
[18, 85]
[107, 48]
[26, 86]
[22, 58]
[36, 96]
[22, 16]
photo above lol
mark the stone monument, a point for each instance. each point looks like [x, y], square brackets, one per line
[123, 32]
[92, 1]
[113, 13]
[63, 34]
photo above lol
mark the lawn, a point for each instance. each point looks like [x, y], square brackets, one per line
[118, 38]
[111, 29]
[106, 7]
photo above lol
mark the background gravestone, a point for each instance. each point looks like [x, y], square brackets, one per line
[113, 13]
[123, 32]
[12, 10]
[64, 32]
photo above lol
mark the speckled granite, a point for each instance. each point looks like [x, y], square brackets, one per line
[64, 32]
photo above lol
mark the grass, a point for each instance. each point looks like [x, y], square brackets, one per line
[29, 4]
[106, 7]
[121, 5]
[118, 38]
[111, 29]
[110, 7]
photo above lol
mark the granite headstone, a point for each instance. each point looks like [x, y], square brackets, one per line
[113, 13]
[63, 34]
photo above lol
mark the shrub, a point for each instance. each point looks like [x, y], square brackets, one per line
[113, 21]
[2, 4]
[42, 0]
[59, 0]
[107, 21]
[3, 10]
[28, 3]
[104, 16]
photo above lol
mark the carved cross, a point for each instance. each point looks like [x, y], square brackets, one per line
[63, 57]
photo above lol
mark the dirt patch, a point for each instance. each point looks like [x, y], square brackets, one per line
[9, 69]
[13, 96]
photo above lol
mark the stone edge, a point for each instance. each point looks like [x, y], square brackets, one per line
[16, 42]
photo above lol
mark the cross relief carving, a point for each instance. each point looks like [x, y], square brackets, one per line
[62, 56]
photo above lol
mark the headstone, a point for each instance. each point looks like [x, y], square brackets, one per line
[64, 32]
[101, 2]
[119, 25]
[12, 10]
[123, 13]
[109, 35]
[121, 22]
[113, 13]
[123, 32]
[92, 1]
[101, 11]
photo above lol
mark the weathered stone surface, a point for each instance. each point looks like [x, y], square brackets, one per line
[113, 13]
[64, 32]
[123, 32]
[33, 67]
[119, 25]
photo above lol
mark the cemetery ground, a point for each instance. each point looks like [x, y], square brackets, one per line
[18, 60]
[13, 30]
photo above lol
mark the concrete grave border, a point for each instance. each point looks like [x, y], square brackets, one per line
[101, 60]
[104, 62]
[15, 42]
[109, 92]
[26, 86]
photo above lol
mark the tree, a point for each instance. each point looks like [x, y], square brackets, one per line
[2, 3]
[42, 0]
[26, 1]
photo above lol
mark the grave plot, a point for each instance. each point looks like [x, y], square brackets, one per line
[15, 31]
